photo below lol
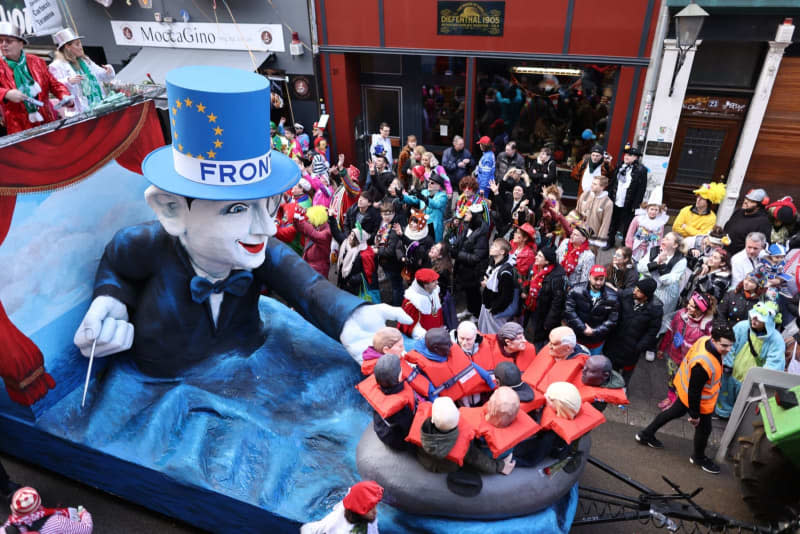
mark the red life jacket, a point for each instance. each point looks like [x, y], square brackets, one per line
[489, 354]
[538, 368]
[570, 430]
[500, 440]
[537, 402]
[368, 366]
[562, 371]
[385, 405]
[465, 433]
[593, 393]
[440, 373]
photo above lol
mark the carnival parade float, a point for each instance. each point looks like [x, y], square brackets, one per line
[151, 262]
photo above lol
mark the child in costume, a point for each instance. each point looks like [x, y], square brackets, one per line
[316, 230]
[28, 515]
[647, 227]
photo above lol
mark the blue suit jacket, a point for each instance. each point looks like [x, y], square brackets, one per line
[149, 271]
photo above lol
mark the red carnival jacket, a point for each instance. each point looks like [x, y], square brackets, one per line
[15, 114]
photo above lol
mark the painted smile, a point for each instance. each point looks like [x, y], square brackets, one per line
[252, 248]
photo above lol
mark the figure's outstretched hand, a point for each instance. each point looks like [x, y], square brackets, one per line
[106, 320]
[362, 324]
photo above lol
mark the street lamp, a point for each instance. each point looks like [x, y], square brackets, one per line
[688, 22]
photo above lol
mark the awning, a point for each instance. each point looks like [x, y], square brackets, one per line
[159, 61]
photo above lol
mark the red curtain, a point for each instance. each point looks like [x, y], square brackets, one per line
[65, 156]
[50, 162]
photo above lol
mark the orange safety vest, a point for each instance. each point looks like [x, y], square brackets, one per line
[466, 433]
[498, 439]
[489, 354]
[538, 368]
[569, 430]
[438, 373]
[385, 405]
[698, 355]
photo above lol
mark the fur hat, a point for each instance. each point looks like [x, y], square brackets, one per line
[444, 414]
[714, 192]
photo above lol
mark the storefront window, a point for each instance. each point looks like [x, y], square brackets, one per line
[442, 99]
[564, 107]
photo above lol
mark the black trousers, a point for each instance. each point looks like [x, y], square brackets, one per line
[701, 433]
[620, 220]
[473, 294]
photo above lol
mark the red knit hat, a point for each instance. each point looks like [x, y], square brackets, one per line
[25, 501]
[363, 497]
[426, 276]
[597, 270]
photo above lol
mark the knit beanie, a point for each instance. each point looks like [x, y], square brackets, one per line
[647, 286]
[549, 254]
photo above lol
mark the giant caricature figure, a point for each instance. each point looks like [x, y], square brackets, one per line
[213, 385]
[188, 286]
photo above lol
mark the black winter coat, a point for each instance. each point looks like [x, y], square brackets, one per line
[542, 174]
[387, 253]
[417, 257]
[636, 331]
[734, 307]
[550, 304]
[472, 256]
[370, 223]
[602, 316]
[740, 224]
[635, 193]
[498, 301]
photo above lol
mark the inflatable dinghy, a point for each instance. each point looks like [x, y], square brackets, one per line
[409, 487]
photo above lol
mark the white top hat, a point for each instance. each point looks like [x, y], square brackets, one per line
[64, 36]
[12, 30]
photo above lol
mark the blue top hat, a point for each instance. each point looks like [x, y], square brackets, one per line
[221, 147]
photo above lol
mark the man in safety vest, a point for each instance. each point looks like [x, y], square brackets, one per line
[697, 383]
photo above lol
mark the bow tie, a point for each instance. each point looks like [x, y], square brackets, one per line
[235, 284]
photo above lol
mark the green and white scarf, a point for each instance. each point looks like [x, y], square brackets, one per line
[25, 83]
[89, 84]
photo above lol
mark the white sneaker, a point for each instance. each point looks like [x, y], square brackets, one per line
[650, 356]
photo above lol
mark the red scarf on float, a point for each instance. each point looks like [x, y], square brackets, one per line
[570, 260]
[537, 279]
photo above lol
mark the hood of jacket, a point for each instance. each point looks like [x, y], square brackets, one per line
[435, 442]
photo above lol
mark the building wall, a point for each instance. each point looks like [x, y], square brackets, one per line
[564, 31]
[93, 22]
[775, 160]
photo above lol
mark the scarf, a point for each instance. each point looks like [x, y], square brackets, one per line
[416, 235]
[570, 260]
[537, 279]
[29, 519]
[348, 253]
[89, 84]
[593, 165]
[25, 83]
